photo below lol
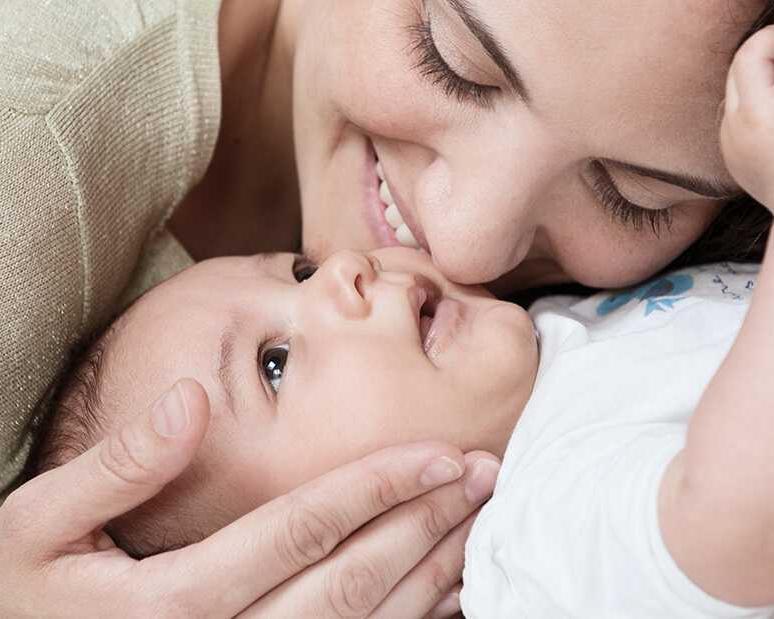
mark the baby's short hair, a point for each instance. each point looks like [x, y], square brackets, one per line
[75, 419]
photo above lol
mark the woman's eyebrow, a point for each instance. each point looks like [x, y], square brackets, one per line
[493, 48]
[710, 188]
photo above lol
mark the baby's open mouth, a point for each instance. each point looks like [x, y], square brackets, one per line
[439, 330]
[426, 317]
[439, 319]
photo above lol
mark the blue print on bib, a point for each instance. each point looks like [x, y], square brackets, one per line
[659, 295]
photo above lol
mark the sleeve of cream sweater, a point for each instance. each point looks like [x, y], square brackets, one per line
[109, 113]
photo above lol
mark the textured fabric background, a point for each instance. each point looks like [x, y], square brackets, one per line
[109, 112]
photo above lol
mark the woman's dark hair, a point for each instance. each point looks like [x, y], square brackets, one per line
[742, 228]
[766, 19]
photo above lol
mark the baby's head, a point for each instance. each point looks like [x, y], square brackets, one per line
[306, 368]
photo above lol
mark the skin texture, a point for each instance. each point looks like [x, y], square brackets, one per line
[356, 379]
[625, 82]
[632, 81]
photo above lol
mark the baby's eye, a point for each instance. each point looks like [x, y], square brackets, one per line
[303, 268]
[273, 364]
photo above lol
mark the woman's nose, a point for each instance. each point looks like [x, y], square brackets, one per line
[482, 208]
[345, 278]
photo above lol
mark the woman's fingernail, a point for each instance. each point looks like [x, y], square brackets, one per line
[440, 471]
[481, 482]
[170, 414]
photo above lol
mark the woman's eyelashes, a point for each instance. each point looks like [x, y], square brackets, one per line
[622, 210]
[273, 361]
[303, 269]
[432, 66]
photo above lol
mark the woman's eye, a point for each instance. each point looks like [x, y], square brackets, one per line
[273, 365]
[433, 66]
[303, 268]
[622, 210]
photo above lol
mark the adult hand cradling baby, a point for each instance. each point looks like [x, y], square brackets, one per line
[69, 566]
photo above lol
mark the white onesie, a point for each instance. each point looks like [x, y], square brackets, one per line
[572, 529]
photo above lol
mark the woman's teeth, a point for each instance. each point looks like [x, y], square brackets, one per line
[392, 214]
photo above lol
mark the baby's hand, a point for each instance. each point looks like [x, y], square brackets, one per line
[747, 133]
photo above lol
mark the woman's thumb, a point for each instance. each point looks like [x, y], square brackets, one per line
[124, 470]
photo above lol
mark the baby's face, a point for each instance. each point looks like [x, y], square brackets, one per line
[307, 376]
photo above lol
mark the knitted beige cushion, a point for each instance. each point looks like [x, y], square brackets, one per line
[109, 112]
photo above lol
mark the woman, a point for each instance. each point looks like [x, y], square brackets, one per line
[522, 142]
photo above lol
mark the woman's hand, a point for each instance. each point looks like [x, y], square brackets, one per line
[747, 133]
[370, 573]
[57, 561]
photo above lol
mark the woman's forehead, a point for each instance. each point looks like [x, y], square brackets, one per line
[619, 45]
[581, 19]
[630, 80]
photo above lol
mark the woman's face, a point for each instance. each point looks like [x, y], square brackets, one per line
[577, 140]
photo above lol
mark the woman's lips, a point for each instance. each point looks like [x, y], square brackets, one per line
[391, 221]
[382, 232]
[408, 216]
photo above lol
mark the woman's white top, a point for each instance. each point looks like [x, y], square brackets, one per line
[572, 529]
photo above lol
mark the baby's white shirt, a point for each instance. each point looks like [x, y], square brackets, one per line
[572, 529]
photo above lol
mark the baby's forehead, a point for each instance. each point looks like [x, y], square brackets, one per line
[151, 347]
[267, 264]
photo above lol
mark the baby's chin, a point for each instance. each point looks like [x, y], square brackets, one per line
[498, 366]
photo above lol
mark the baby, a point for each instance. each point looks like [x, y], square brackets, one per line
[309, 368]
[306, 368]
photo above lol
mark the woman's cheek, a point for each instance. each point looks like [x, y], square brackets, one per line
[355, 66]
[376, 86]
[603, 253]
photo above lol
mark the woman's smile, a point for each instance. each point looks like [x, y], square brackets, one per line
[389, 218]
[397, 212]
[376, 216]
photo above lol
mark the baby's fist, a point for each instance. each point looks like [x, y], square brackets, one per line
[747, 133]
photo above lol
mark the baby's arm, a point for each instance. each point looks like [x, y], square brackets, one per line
[717, 499]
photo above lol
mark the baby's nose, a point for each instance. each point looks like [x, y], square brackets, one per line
[346, 277]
